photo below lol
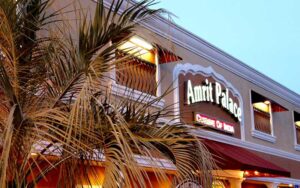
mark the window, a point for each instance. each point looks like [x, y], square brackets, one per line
[262, 113]
[297, 127]
[264, 110]
[140, 71]
[262, 116]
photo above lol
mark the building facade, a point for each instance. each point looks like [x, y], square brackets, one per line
[249, 121]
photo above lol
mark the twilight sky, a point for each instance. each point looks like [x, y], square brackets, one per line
[264, 34]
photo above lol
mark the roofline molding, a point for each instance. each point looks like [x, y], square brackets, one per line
[198, 46]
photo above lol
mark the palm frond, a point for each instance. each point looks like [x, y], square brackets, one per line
[58, 112]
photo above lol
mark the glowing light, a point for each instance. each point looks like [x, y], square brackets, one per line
[297, 123]
[214, 123]
[290, 185]
[256, 173]
[267, 102]
[141, 42]
[246, 173]
[262, 106]
[139, 48]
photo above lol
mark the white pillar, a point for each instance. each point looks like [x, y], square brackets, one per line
[235, 183]
[272, 185]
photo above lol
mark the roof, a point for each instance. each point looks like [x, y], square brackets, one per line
[186, 39]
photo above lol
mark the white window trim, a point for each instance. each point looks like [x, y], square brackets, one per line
[296, 145]
[123, 91]
[259, 134]
[263, 136]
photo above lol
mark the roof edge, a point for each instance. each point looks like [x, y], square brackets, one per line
[186, 39]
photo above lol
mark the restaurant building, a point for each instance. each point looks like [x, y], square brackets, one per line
[247, 120]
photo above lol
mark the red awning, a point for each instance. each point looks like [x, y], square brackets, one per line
[237, 158]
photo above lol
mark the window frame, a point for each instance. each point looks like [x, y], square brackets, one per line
[127, 92]
[257, 133]
[296, 144]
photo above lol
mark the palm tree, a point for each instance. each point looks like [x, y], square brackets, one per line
[57, 112]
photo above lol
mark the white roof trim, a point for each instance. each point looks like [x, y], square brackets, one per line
[276, 180]
[197, 45]
[206, 50]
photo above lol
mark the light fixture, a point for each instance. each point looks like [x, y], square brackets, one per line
[139, 48]
[262, 107]
[256, 173]
[267, 102]
[290, 185]
[141, 42]
[297, 123]
[246, 173]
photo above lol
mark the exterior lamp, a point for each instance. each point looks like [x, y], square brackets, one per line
[141, 43]
[139, 48]
[262, 106]
[297, 123]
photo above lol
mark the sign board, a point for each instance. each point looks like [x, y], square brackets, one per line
[216, 101]
[214, 93]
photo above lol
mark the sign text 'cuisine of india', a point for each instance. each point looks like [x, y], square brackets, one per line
[214, 123]
[214, 93]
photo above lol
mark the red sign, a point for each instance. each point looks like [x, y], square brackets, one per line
[214, 123]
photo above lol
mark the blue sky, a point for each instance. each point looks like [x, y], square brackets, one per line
[264, 34]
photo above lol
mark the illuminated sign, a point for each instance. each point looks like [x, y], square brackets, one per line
[214, 93]
[214, 123]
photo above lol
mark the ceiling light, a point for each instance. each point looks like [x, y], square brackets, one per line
[141, 42]
[262, 107]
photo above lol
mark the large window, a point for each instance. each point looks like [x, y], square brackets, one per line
[139, 72]
[262, 117]
[262, 112]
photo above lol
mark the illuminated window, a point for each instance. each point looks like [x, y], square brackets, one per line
[297, 126]
[262, 111]
[262, 117]
[139, 72]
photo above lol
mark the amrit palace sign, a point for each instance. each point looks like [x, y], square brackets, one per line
[205, 101]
